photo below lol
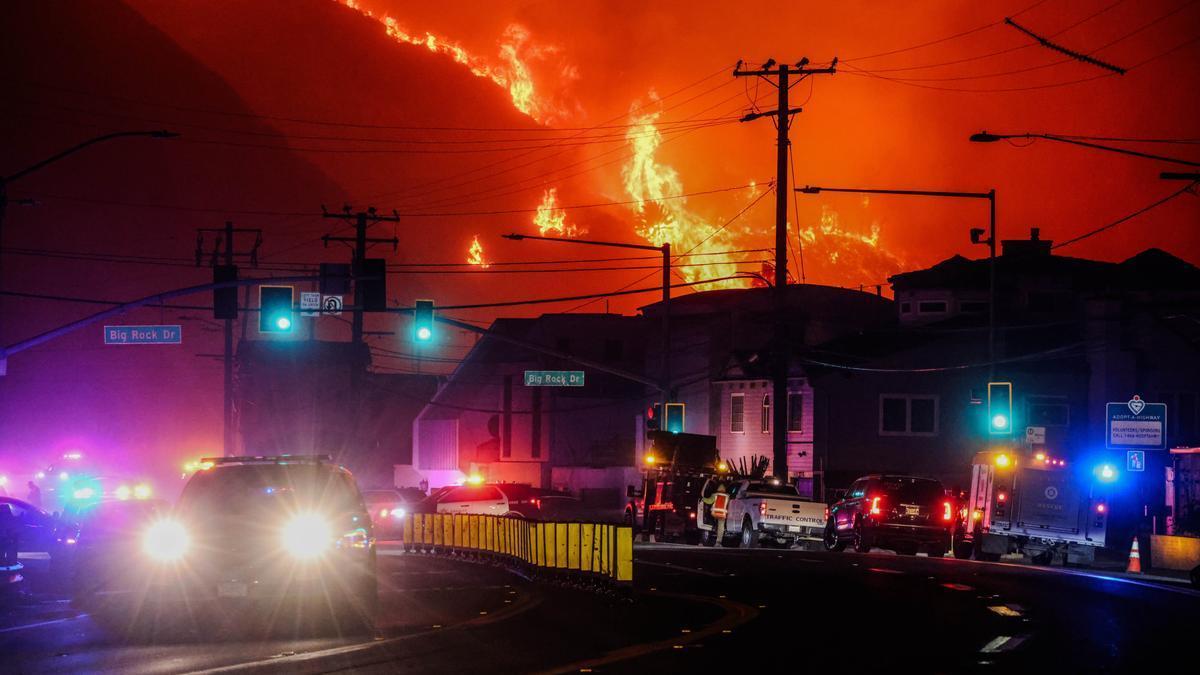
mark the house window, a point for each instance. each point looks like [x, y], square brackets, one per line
[795, 411]
[766, 414]
[932, 307]
[908, 415]
[737, 412]
[972, 307]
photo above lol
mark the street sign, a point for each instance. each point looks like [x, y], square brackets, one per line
[1135, 460]
[331, 305]
[1035, 435]
[554, 378]
[1136, 424]
[143, 335]
[310, 303]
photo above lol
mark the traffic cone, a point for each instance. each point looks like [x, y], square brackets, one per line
[1135, 559]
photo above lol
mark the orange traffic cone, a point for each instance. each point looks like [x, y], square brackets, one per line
[1135, 559]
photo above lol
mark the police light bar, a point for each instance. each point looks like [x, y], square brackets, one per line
[269, 459]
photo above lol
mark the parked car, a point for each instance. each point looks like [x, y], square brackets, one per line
[903, 513]
[388, 509]
[516, 500]
[37, 533]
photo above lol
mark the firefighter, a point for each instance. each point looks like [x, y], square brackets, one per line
[718, 503]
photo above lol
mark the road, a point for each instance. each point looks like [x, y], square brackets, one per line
[691, 609]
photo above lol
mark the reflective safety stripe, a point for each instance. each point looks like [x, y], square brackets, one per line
[720, 505]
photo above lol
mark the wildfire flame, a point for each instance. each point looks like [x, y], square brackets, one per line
[660, 220]
[836, 252]
[475, 254]
[553, 220]
[516, 50]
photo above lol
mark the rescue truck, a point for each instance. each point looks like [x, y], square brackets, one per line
[1033, 504]
[674, 470]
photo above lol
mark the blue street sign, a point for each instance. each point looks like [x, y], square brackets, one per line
[1136, 424]
[1135, 460]
[554, 378]
[143, 335]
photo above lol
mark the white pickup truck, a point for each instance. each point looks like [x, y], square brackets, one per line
[761, 511]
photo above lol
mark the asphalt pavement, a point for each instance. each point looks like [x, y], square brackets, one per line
[691, 610]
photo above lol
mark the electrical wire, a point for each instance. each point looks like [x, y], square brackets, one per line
[1187, 188]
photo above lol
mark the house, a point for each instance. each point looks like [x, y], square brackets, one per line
[1071, 335]
[486, 421]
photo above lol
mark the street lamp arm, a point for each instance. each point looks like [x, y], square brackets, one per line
[587, 242]
[985, 137]
[76, 148]
[812, 190]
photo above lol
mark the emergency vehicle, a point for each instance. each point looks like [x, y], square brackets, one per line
[1034, 504]
[674, 469]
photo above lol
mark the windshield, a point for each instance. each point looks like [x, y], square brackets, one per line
[252, 487]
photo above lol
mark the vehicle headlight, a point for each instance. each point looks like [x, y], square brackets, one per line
[398, 513]
[166, 540]
[307, 536]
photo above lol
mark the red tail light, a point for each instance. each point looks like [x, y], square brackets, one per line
[875, 505]
[537, 504]
[947, 511]
[762, 508]
[826, 513]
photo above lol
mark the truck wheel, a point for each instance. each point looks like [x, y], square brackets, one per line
[962, 549]
[708, 537]
[749, 536]
[862, 543]
[831, 541]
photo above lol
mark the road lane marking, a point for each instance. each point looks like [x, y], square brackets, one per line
[678, 568]
[1003, 643]
[958, 587]
[1005, 610]
[883, 570]
[13, 629]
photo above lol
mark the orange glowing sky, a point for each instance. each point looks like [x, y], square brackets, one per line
[476, 119]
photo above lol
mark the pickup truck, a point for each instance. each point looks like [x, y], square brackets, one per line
[761, 511]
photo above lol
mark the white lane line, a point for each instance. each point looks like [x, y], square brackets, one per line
[13, 629]
[1003, 643]
[1005, 610]
[678, 568]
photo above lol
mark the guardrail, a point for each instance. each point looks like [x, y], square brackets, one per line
[571, 550]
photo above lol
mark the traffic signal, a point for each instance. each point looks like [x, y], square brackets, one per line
[653, 417]
[225, 300]
[335, 278]
[674, 419]
[999, 408]
[275, 309]
[423, 321]
[372, 284]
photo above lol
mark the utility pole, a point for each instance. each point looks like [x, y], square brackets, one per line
[225, 236]
[782, 74]
[362, 220]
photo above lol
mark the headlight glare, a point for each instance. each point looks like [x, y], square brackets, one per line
[307, 536]
[166, 541]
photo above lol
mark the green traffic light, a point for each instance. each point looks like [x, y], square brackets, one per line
[423, 320]
[999, 422]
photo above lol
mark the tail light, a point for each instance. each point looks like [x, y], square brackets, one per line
[947, 511]
[762, 508]
[537, 504]
[826, 513]
[875, 505]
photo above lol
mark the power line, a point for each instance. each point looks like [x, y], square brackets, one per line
[1046, 354]
[1144, 209]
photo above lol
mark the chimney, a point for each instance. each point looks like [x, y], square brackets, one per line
[1026, 248]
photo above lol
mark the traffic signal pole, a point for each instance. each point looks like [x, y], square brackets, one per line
[782, 74]
[362, 220]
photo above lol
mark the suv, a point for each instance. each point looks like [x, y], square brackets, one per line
[286, 528]
[903, 513]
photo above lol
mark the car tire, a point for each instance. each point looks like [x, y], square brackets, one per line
[831, 540]
[1196, 576]
[862, 542]
[749, 537]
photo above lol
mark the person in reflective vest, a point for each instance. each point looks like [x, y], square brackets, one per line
[718, 503]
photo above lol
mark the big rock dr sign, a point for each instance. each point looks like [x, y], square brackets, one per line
[143, 335]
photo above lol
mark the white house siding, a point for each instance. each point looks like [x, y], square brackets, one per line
[752, 441]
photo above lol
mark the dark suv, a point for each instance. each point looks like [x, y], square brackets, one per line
[903, 513]
[265, 531]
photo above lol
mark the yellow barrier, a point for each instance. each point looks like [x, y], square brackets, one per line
[593, 550]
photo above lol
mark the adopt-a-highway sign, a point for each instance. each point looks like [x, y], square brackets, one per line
[1136, 424]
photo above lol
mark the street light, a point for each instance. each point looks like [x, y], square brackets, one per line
[5, 180]
[985, 137]
[665, 249]
[976, 235]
